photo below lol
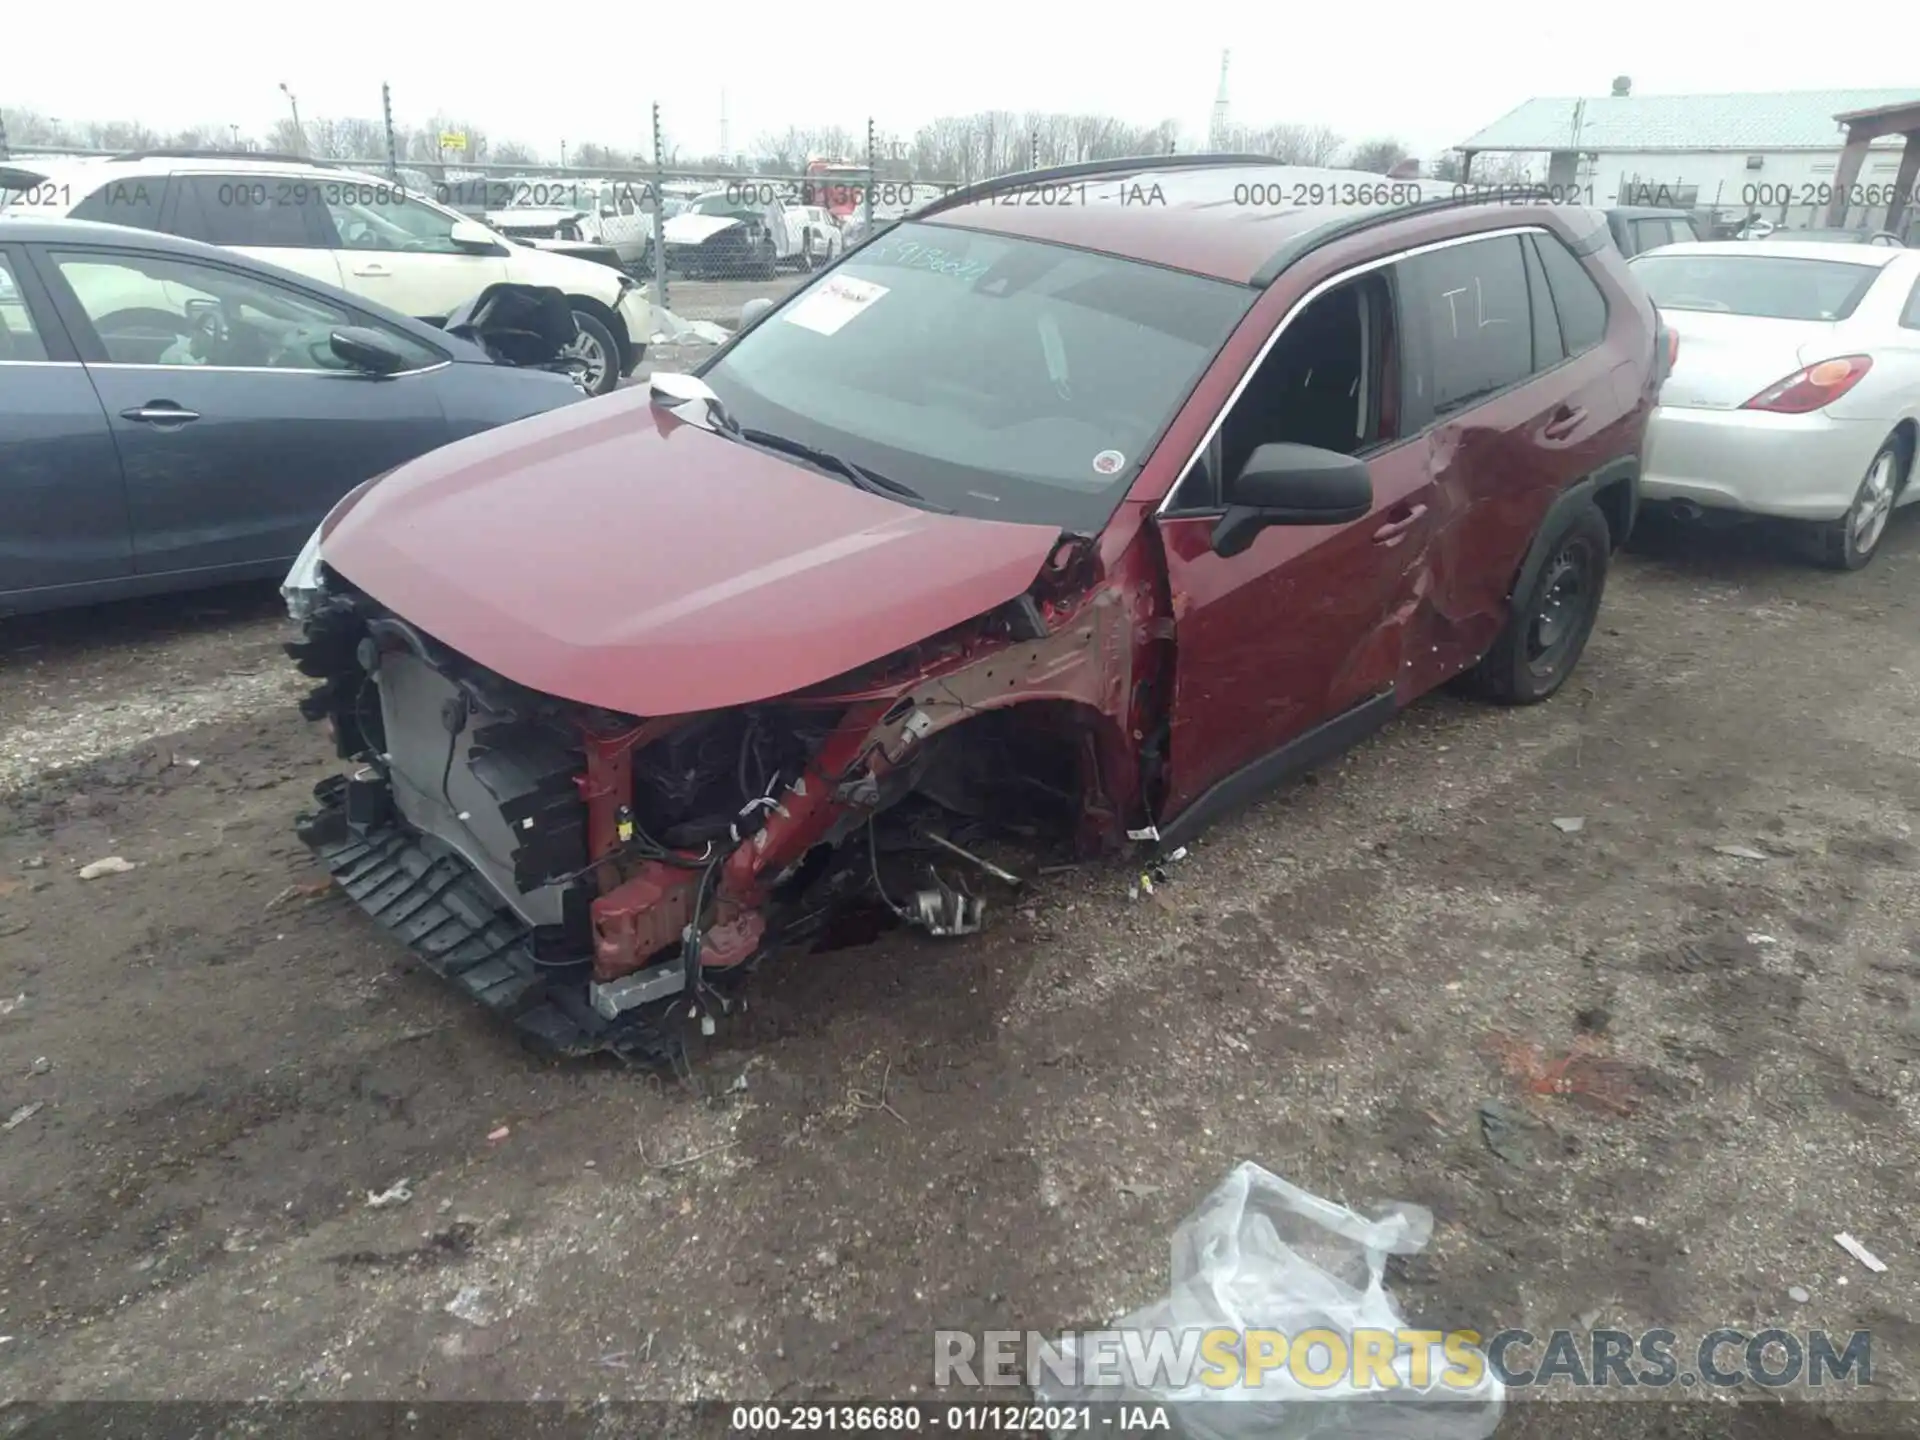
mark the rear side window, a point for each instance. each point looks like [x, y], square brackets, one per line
[1468, 305]
[267, 212]
[1649, 235]
[1775, 287]
[135, 203]
[1576, 298]
[1910, 317]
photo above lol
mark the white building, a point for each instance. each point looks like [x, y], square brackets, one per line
[1775, 154]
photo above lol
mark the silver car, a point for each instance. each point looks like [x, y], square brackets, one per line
[1795, 390]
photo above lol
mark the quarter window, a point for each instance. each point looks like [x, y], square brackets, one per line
[1576, 299]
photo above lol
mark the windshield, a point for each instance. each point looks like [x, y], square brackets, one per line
[1774, 287]
[1002, 378]
[722, 204]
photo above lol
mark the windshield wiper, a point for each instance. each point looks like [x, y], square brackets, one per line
[872, 481]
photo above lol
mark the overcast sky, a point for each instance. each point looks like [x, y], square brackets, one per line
[1428, 74]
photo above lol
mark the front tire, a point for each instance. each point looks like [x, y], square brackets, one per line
[1548, 627]
[1850, 542]
[601, 352]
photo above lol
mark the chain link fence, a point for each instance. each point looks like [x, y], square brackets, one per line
[705, 240]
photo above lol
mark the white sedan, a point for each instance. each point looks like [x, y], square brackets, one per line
[1795, 389]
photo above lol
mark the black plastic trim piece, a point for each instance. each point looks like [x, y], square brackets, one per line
[1256, 777]
[428, 897]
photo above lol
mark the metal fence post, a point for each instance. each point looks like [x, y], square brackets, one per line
[659, 214]
[386, 114]
[866, 213]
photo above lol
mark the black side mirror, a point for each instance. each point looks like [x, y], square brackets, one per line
[367, 350]
[1285, 484]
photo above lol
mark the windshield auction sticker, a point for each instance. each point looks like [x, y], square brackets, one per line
[833, 303]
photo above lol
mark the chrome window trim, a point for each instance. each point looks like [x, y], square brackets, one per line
[43, 362]
[1364, 268]
[255, 369]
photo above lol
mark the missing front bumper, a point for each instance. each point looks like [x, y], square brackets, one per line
[432, 900]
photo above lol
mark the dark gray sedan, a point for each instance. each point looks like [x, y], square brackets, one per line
[175, 415]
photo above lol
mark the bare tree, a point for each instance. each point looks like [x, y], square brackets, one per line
[1503, 169]
[1445, 167]
[1378, 156]
[1294, 144]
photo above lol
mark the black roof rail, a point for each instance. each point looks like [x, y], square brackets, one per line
[191, 153]
[1086, 170]
[1526, 196]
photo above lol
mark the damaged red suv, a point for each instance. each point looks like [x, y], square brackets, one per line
[1094, 497]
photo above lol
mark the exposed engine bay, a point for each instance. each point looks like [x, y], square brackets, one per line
[607, 879]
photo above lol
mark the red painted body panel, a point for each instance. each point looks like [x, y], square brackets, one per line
[609, 554]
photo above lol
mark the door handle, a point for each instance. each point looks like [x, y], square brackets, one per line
[159, 412]
[1391, 532]
[1565, 421]
[371, 270]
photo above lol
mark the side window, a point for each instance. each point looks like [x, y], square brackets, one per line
[255, 211]
[135, 203]
[1468, 305]
[626, 203]
[1548, 349]
[156, 310]
[1581, 306]
[392, 222]
[1648, 234]
[1910, 317]
[1330, 380]
[19, 336]
[1684, 231]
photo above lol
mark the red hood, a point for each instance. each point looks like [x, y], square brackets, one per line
[609, 554]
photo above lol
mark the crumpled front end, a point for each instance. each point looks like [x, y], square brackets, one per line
[603, 879]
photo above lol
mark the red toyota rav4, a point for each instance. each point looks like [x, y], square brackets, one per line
[1091, 495]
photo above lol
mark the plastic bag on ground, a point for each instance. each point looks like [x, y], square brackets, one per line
[1262, 1255]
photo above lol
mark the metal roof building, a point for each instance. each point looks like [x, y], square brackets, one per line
[1777, 120]
[1810, 157]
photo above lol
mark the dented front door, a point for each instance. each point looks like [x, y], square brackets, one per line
[1307, 622]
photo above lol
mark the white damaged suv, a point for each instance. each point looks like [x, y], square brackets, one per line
[368, 235]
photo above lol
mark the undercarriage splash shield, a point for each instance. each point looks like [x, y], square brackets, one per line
[429, 897]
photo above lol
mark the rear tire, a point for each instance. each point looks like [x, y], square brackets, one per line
[1547, 628]
[1852, 541]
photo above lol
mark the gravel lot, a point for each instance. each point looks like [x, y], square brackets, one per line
[998, 1132]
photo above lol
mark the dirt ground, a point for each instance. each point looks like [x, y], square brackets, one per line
[999, 1132]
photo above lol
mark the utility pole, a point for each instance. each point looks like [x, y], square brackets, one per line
[5, 153]
[1033, 155]
[726, 148]
[386, 118]
[299, 135]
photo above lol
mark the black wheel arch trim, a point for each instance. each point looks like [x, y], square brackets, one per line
[1584, 491]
